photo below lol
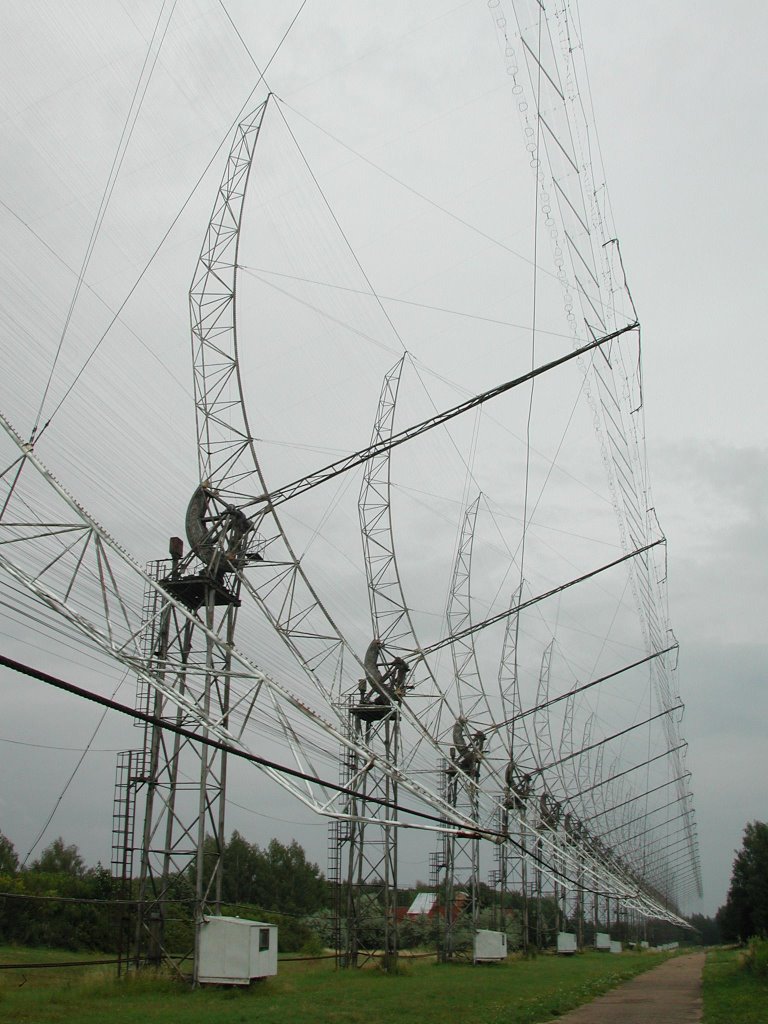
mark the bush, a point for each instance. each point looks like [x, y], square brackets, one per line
[294, 935]
[511, 924]
[322, 925]
[418, 932]
[312, 946]
[32, 915]
[756, 957]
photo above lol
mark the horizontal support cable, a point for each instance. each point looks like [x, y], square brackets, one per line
[332, 470]
[658, 862]
[509, 612]
[647, 814]
[633, 837]
[580, 689]
[626, 771]
[600, 743]
[640, 796]
[649, 852]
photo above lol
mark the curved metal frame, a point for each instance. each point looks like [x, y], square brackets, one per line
[288, 600]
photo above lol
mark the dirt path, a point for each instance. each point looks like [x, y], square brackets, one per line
[669, 994]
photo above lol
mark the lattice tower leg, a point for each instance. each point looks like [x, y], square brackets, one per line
[183, 832]
[370, 846]
[461, 865]
[525, 909]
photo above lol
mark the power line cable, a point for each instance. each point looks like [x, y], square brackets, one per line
[462, 831]
[228, 748]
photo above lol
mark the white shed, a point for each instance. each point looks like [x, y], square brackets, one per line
[489, 947]
[566, 942]
[603, 941]
[615, 946]
[233, 951]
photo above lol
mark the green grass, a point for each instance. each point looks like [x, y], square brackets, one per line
[732, 994]
[516, 992]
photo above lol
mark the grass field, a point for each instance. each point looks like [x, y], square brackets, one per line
[516, 992]
[731, 994]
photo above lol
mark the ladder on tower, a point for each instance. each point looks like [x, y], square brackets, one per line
[133, 766]
[156, 570]
[129, 774]
[339, 836]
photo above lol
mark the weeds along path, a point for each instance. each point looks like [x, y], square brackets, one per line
[670, 993]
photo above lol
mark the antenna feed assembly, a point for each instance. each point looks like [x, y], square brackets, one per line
[467, 751]
[223, 538]
[550, 810]
[517, 789]
[384, 686]
[220, 534]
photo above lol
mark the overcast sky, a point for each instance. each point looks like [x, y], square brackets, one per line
[677, 98]
[675, 89]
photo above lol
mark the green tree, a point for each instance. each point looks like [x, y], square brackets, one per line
[278, 878]
[745, 912]
[241, 866]
[708, 929]
[293, 884]
[84, 918]
[418, 932]
[60, 859]
[9, 860]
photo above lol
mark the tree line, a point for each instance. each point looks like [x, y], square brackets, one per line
[744, 914]
[59, 902]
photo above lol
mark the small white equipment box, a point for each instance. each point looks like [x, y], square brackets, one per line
[566, 942]
[489, 947]
[232, 951]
